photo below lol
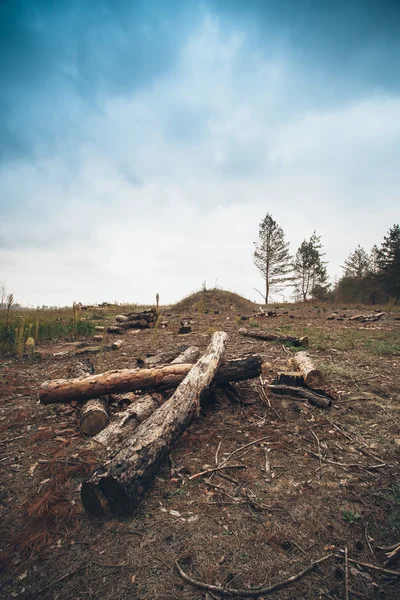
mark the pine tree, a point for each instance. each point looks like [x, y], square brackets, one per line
[389, 262]
[271, 255]
[358, 264]
[309, 269]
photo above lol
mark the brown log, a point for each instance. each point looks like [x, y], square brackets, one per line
[273, 337]
[93, 416]
[121, 318]
[312, 376]
[124, 423]
[113, 329]
[324, 401]
[129, 380]
[292, 378]
[123, 480]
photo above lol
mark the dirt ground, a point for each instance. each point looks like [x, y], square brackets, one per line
[333, 481]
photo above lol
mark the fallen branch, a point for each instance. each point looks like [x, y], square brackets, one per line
[214, 469]
[323, 401]
[273, 337]
[251, 593]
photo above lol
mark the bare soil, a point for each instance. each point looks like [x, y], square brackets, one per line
[334, 478]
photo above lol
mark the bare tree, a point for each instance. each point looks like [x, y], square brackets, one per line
[271, 255]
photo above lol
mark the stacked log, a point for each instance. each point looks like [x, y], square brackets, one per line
[135, 320]
[118, 485]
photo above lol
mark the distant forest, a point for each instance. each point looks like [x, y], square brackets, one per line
[368, 277]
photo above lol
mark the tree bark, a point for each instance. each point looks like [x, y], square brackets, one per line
[312, 376]
[129, 380]
[299, 392]
[124, 423]
[123, 480]
[189, 356]
[273, 337]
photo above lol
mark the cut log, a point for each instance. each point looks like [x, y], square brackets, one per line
[292, 378]
[163, 358]
[117, 345]
[312, 376]
[129, 380]
[93, 416]
[188, 356]
[121, 318]
[124, 423]
[184, 355]
[135, 324]
[273, 337]
[113, 329]
[324, 401]
[123, 480]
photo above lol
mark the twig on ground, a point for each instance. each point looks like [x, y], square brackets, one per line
[243, 447]
[214, 469]
[371, 567]
[349, 465]
[7, 440]
[217, 452]
[319, 452]
[52, 583]
[254, 593]
[346, 573]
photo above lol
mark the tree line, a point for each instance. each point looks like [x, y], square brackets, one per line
[370, 278]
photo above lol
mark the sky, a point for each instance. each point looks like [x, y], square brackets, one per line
[143, 141]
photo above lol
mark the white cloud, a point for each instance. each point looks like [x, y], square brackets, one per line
[165, 188]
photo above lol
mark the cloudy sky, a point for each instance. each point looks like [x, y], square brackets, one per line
[142, 142]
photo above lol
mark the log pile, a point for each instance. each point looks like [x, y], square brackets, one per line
[159, 399]
[145, 319]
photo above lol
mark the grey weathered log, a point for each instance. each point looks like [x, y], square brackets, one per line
[324, 401]
[274, 337]
[124, 423]
[312, 376]
[124, 478]
[129, 380]
[188, 356]
[121, 318]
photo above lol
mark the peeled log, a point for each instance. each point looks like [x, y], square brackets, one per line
[124, 423]
[312, 376]
[129, 380]
[93, 417]
[190, 355]
[273, 337]
[121, 482]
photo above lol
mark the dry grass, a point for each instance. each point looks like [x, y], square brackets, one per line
[250, 529]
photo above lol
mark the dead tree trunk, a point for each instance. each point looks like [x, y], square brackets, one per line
[124, 423]
[129, 380]
[122, 481]
[273, 337]
[312, 376]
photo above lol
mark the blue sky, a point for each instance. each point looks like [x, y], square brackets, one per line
[142, 142]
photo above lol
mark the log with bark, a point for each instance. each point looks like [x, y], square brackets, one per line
[273, 337]
[121, 481]
[129, 380]
[312, 376]
[124, 423]
[319, 398]
[93, 416]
